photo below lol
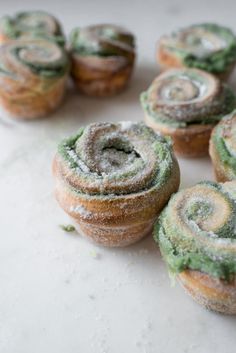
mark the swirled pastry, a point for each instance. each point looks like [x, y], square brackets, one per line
[102, 59]
[206, 46]
[33, 76]
[223, 148]
[186, 104]
[113, 180]
[197, 236]
[31, 25]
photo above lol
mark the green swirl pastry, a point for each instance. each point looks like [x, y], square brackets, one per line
[33, 75]
[113, 179]
[196, 233]
[102, 58]
[206, 46]
[223, 148]
[30, 25]
[186, 104]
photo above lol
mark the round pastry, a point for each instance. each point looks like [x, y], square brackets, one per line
[30, 25]
[33, 76]
[206, 46]
[186, 104]
[113, 180]
[223, 148]
[197, 238]
[102, 59]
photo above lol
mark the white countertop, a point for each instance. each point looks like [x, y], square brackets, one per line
[60, 293]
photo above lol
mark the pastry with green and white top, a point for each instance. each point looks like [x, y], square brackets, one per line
[33, 76]
[102, 58]
[186, 104]
[114, 179]
[196, 233]
[205, 46]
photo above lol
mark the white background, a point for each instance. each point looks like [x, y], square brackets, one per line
[58, 292]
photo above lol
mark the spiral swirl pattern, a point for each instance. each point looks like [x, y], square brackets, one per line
[110, 175]
[32, 77]
[223, 148]
[205, 46]
[181, 97]
[196, 230]
[104, 41]
[29, 25]
[115, 159]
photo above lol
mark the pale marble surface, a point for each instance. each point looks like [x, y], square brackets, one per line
[58, 292]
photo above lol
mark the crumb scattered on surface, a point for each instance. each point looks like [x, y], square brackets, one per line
[67, 228]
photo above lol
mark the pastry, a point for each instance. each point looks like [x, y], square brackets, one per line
[186, 104]
[31, 25]
[102, 59]
[33, 77]
[206, 46]
[113, 180]
[223, 148]
[197, 238]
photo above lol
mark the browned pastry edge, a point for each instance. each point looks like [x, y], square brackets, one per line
[119, 220]
[4, 38]
[36, 105]
[192, 141]
[213, 293]
[167, 59]
[95, 82]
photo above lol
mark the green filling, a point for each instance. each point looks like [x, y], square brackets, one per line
[69, 228]
[215, 62]
[69, 145]
[181, 252]
[229, 103]
[224, 154]
[178, 262]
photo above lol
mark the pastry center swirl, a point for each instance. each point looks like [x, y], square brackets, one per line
[205, 210]
[117, 158]
[209, 213]
[103, 41]
[179, 90]
[186, 95]
[39, 54]
[197, 229]
[24, 58]
[201, 42]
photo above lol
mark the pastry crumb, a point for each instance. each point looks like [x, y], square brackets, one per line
[67, 228]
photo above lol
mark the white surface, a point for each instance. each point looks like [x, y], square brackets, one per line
[58, 292]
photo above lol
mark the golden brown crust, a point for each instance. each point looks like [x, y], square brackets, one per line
[3, 38]
[167, 59]
[30, 86]
[100, 77]
[31, 106]
[215, 294]
[118, 221]
[192, 141]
